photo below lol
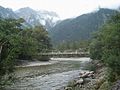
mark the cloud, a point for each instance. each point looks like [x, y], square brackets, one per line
[65, 8]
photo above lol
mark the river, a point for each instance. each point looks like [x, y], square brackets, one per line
[52, 75]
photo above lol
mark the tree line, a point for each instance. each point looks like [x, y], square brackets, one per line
[82, 45]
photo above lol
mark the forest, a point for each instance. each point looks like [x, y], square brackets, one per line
[105, 47]
[19, 43]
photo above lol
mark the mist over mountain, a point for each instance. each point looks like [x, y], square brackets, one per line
[46, 18]
[81, 27]
[7, 13]
[32, 17]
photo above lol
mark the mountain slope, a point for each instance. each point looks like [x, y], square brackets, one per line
[7, 13]
[32, 17]
[47, 19]
[81, 27]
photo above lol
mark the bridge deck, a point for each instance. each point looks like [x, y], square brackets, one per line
[65, 54]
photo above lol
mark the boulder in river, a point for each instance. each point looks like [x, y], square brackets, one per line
[68, 88]
[86, 74]
[80, 81]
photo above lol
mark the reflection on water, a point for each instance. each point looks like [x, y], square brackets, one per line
[48, 77]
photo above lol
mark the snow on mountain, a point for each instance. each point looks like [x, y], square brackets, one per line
[32, 17]
[7, 13]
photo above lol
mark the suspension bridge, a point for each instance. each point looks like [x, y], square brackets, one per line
[65, 54]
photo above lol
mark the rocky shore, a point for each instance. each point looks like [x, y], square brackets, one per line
[90, 80]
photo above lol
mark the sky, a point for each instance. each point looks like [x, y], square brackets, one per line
[64, 8]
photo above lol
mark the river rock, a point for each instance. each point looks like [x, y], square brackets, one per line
[86, 80]
[85, 75]
[80, 81]
[91, 72]
[68, 88]
[91, 76]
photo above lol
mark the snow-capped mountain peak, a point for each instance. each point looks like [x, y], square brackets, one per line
[7, 13]
[33, 17]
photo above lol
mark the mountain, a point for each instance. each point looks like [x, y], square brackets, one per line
[81, 27]
[73, 29]
[46, 18]
[32, 17]
[7, 13]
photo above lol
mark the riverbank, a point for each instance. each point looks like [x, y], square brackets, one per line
[94, 81]
[28, 63]
[49, 76]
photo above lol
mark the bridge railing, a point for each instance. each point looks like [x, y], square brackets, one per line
[62, 53]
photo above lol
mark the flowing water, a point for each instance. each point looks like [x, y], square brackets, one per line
[50, 76]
